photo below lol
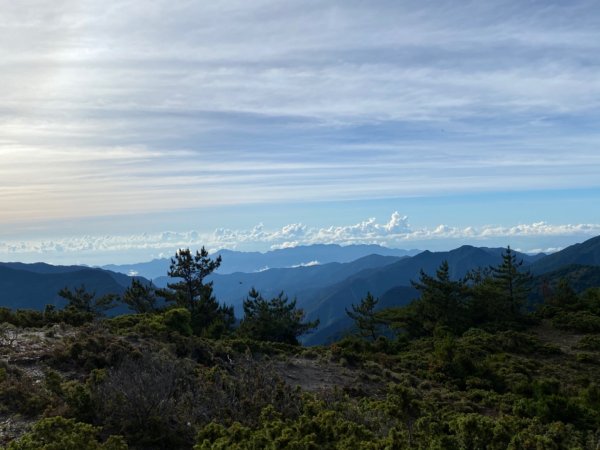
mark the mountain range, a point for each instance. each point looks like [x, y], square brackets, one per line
[235, 261]
[325, 279]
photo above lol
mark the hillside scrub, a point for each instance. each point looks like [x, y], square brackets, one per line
[497, 376]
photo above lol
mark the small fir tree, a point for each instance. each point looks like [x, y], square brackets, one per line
[275, 320]
[442, 300]
[511, 286]
[140, 297]
[364, 316]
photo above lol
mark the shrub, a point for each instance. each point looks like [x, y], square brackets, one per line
[179, 320]
[582, 321]
[145, 398]
[589, 342]
[58, 433]
[19, 393]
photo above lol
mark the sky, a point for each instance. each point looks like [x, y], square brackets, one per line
[131, 128]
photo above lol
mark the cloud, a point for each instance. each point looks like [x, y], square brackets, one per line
[396, 232]
[308, 264]
[140, 108]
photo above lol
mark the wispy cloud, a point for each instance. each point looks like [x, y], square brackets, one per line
[143, 107]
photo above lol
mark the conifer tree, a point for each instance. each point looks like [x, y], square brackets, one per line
[191, 270]
[275, 320]
[511, 285]
[140, 298]
[81, 300]
[442, 300]
[364, 316]
[192, 292]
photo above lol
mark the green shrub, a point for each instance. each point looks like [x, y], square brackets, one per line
[179, 320]
[20, 394]
[316, 429]
[590, 342]
[473, 431]
[58, 433]
[582, 321]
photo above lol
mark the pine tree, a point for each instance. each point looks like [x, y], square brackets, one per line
[140, 298]
[81, 300]
[275, 320]
[511, 286]
[192, 292]
[191, 270]
[364, 317]
[564, 295]
[442, 300]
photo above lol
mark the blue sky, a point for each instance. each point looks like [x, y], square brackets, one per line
[130, 128]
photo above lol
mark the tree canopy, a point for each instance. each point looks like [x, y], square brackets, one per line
[494, 297]
[81, 300]
[140, 297]
[276, 320]
[195, 294]
[364, 316]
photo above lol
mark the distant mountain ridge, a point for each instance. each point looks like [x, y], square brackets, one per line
[248, 262]
[295, 282]
[586, 253]
[32, 286]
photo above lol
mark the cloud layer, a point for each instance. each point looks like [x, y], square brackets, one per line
[394, 233]
[138, 106]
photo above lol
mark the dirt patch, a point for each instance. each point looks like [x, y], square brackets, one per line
[315, 375]
[564, 340]
[28, 348]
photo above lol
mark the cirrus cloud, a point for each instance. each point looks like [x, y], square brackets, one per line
[170, 105]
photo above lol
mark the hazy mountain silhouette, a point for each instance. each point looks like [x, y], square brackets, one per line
[248, 262]
[32, 286]
[587, 253]
[299, 282]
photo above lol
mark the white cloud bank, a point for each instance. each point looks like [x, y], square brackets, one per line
[396, 232]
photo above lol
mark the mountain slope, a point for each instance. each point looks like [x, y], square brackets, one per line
[392, 283]
[380, 280]
[329, 304]
[342, 325]
[587, 253]
[49, 269]
[579, 277]
[41, 267]
[32, 286]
